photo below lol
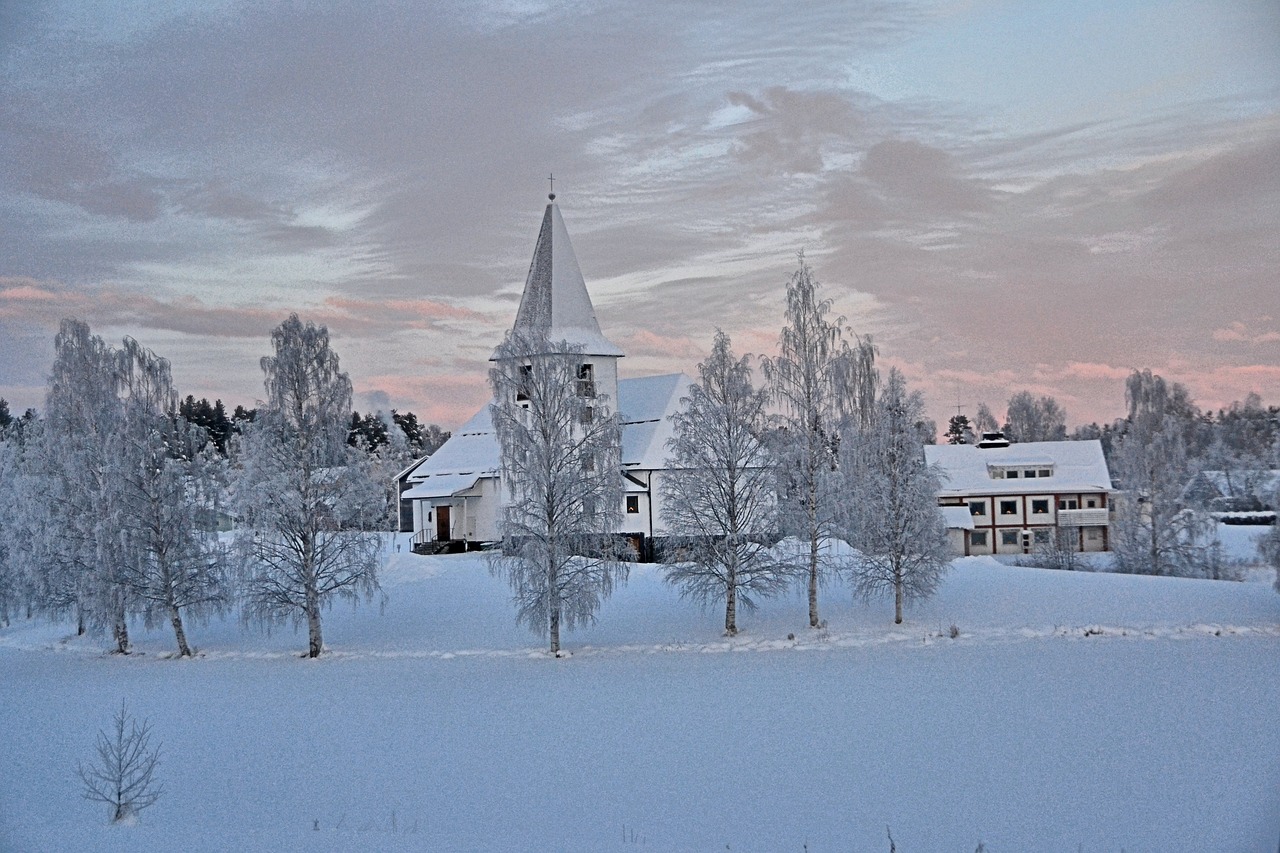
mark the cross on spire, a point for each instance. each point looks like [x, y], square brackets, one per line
[552, 195]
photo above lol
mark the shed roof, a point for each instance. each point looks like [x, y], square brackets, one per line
[957, 517]
[442, 485]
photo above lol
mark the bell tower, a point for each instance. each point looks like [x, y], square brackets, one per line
[556, 307]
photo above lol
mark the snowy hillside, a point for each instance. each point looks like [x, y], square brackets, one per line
[1071, 711]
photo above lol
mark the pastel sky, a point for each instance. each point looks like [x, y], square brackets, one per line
[1005, 195]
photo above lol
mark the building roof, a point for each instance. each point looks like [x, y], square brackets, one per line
[1078, 466]
[442, 485]
[470, 451]
[1257, 482]
[644, 405]
[555, 303]
[957, 517]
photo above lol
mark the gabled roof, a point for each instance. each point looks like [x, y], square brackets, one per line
[644, 405]
[555, 303]
[472, 450]
[1077, 466]
[1257, 482]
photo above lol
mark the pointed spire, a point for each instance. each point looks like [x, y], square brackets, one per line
[555, 301]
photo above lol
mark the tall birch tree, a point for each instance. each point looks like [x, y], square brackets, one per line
[718, 492]
[166, 475]
[78, 518]
[1155, 532]
[13, 586]
[304, 497]
[561, 469]
[815, 379]
[1031, 418]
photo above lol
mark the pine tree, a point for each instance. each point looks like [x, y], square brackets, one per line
[368, 432]
[305, 497]
[893, 519]
[561, 466]
[423, 440]
[959, 430]
[718, 498]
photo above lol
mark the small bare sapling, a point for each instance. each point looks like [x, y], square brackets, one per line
[124, 774]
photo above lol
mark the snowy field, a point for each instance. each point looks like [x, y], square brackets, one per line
[1073, 712]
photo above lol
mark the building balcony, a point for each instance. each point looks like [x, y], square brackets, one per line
[1082, 517]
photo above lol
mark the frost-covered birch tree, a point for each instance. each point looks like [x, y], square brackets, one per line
[560, 465]
[166, 475]
[814, 380]
[718, 493]
[892, 515]
[984, 420]
[1155, 532]
[13, 586]
[77, 518]
[304, 498]
[1269, 549]
[24, 528]
[1031, 418]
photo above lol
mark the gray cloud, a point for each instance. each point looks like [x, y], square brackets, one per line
[791, 129]
[383, 166]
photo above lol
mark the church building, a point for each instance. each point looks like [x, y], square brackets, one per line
[456, 496]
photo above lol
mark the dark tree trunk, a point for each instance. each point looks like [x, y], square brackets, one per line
[731, 604]
[897, 601]
[315, 640]
[120, 631]
[175, 619]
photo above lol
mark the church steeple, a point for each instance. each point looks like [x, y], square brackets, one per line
[555, 303]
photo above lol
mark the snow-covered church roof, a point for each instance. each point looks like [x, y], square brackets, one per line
[555, 303]
[644, 406]
[468, 454]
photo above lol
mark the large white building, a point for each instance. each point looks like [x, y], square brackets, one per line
[456, 495]
[1002, 498]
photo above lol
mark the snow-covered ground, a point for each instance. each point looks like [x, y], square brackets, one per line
[1073, 711]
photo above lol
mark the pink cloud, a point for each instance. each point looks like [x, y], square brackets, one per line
[1240, 332]
[1084, 370]
[645, 342]
[47, 302]
[446, 399]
